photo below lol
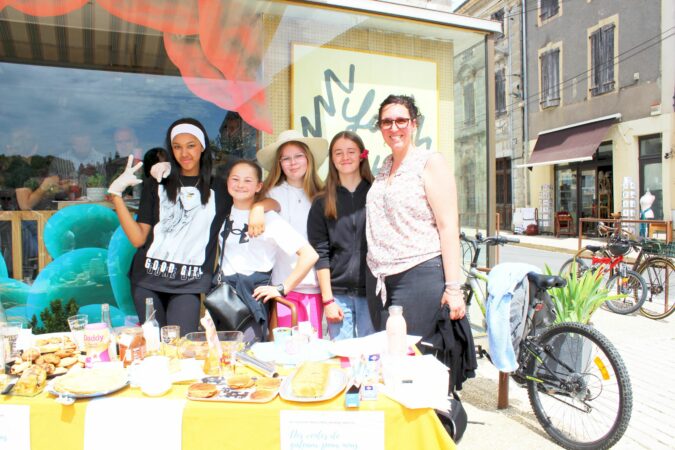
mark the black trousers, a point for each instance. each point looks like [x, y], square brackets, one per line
[172, 309]
[418, 290]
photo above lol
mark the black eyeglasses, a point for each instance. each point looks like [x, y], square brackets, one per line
[401, 122]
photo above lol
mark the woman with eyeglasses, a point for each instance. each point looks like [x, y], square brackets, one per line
[292, 163]
[412, 227]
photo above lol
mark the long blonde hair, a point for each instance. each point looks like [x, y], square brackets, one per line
[333, 179]
[311, 183]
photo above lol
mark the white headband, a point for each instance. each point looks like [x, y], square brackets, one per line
[189, 129]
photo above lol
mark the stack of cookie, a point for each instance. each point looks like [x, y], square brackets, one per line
[56, 355]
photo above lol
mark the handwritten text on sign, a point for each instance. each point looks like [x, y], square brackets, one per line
[332, 430]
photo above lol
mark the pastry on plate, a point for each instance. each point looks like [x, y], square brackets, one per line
[202, 390]
[240, 381]
[310, 380]
[267, 383]
[263, 394]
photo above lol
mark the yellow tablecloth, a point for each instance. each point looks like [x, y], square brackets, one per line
[224, 425]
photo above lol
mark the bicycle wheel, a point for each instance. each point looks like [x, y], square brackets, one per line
[567, 266]
[634, 288]
[579, 387]
[659, 274]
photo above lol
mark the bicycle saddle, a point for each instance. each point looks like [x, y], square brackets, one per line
[594, 248]
[545, 281]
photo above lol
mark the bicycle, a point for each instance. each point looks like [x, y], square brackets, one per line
[577, 383]
[658, 271]
[654, 265]
[609, 259]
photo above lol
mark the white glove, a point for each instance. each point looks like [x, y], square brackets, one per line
[127, 178]
[160, 170]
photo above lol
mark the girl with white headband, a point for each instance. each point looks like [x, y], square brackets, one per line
[176, 228]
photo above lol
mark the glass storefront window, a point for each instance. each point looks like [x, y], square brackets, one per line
[651, 175]
[566, 191]
[84, 89]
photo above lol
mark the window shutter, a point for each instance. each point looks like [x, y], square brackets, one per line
[500, 91]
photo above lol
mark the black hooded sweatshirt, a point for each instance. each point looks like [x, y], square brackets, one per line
[341, 243]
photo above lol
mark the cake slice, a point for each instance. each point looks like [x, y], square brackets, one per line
[310, 380]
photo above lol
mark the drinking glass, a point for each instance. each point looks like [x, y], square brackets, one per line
[170, 334]
[231, 342]
[10, 331]
[77, 324]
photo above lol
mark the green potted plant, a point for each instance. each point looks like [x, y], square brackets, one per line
[576, 302]
[96, 188]
[581, 297]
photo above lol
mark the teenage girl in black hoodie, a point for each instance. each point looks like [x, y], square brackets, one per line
[336, 229]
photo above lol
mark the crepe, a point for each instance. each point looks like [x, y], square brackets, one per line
[310, 380]
[91, 381]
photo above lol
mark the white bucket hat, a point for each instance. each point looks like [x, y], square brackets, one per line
[318, 147]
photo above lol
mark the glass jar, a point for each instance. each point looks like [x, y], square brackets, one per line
[131, 345]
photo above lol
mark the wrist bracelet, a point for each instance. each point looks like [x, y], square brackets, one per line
[328, 302]
[453, 283]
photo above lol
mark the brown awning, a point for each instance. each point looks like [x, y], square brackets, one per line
[571, 144]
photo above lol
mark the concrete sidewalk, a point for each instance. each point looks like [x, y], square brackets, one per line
[553, 244]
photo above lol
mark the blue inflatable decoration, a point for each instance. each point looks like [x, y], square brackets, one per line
[120, 255]
[79, 226]
[3, 268]
[13, 293]
[81, 274]
[23, 314]
[94, 313]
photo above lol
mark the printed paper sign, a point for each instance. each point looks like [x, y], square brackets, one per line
[129, 415]
[14, 427]
[332, 430]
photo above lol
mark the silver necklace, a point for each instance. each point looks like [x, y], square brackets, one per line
[189, 195]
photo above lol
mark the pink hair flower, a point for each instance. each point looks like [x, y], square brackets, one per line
[364, 154]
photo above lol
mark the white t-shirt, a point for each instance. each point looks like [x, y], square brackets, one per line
[247, 255]
[294, 209]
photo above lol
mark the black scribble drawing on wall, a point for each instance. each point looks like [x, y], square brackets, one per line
[357, 121]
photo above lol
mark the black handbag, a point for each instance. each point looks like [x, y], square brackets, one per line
[227, 309]
[454, 420]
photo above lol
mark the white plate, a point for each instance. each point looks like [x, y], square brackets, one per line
[337, 381]
[317, 350]
[51, 390]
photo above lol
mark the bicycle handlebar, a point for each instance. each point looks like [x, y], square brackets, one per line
[491, 240]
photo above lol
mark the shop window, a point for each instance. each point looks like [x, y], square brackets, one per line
[548, 8]
[651, 176]
[500, 92]
[602, 60]
[469, 104]
[550, 78]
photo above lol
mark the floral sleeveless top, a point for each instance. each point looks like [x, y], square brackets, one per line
[400, 226]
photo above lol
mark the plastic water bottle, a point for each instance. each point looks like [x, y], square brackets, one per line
[396, 332]
[105, 318]
[151, 329]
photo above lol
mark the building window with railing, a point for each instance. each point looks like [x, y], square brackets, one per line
[550, 78]
[602, 60]
[500, 92]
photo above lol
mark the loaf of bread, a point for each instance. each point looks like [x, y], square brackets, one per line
[310, 380]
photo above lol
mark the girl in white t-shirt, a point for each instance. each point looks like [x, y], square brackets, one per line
[246, 263]
[292, 162]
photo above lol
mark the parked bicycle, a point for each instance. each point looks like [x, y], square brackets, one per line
[653, 263]
[576, 380]
[610, 261]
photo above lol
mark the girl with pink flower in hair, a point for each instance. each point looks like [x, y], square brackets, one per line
[336, 228]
